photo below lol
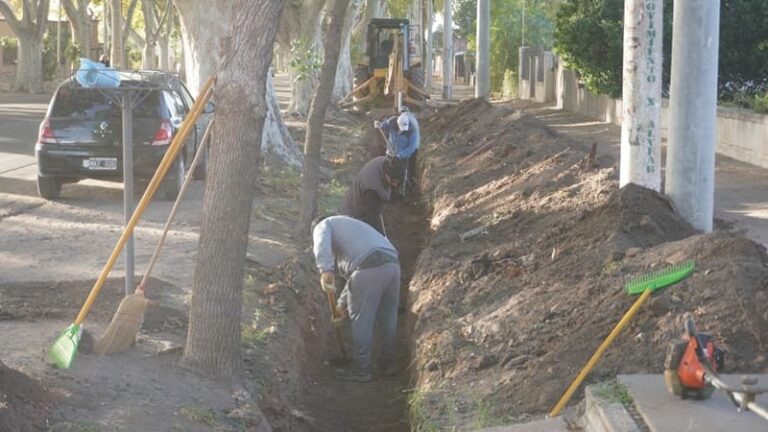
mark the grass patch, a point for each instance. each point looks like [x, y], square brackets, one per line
[331, 195]
[614, 391]
[199, 415]
[252, 335]
[485, 415]
[420, 421]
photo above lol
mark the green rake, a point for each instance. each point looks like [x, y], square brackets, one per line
[643, 285]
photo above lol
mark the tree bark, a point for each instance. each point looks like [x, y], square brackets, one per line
[116, 53]
[29, 29]
[373, 9]
[314, 139]
[150, 32]
[345, 71]
[201, 33]
[302, 20]
[213, 339]
[80, 21]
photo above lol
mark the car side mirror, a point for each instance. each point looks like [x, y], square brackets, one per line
[209, 108]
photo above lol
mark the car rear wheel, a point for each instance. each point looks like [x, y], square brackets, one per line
[171, 186]
[48, 187]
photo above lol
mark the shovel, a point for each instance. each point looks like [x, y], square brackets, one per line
[336, 317]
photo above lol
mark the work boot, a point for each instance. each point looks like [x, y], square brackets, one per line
[354, 375]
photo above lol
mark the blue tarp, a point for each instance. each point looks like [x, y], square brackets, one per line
[95, 75]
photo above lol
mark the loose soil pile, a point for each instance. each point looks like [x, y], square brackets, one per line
[24, 403]
[532, 243]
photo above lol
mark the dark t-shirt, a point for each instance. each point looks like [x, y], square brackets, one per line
[366, 198]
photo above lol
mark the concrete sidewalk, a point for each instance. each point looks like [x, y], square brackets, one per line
[663, 412]
[741, 190]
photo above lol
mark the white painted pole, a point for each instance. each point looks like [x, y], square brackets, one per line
[428, 55]
[447, 49]
[693, 110]
[482, 65]
[58, 38]
[641, 99]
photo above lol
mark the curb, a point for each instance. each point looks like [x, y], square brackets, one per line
[604, 413]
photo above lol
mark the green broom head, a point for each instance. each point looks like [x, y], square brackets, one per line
[64, 349]
[660, 278]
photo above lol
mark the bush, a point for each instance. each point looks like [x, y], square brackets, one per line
[509, 88]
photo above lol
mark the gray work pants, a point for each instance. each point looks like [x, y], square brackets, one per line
[374, 296]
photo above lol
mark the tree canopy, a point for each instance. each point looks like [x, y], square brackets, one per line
[589, 37]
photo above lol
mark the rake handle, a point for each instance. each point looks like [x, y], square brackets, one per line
[599, 353]
[335, 314]
[162, 169]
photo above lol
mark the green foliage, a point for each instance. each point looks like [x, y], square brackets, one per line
[509, 87]
[757, 102]
[507, 30]
[398, 8]
[614, 391]
[589, 37]
[73, 53]
[305, 60]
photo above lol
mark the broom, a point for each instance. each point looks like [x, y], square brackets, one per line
[129, 317]
[64, 348]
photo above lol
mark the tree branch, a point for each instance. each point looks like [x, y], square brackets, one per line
[10, 17]
[160, 24]
[129, 17]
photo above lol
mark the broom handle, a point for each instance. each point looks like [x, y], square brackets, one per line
[195, 161]
[599, 353]
[162, 169]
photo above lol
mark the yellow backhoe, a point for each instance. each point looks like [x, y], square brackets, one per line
[389, 71]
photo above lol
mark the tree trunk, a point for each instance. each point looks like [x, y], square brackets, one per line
[303, 89]
[164, 41]
[302, 20]
[373, 9]
[345, 71]
[201, 55]
[29, 29]
[29, 72]
[276, 140]
[213, 340]
[80, 23]
[116, 54]
[314, 140]
[150, 29]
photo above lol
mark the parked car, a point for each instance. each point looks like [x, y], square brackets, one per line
[81, 135]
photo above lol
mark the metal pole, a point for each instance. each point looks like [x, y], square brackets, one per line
[693, 110]
[428, 55]
[447, 50]
[482, 69]
[522, 42]
[58, 38]
[128, 184]
[641, 99]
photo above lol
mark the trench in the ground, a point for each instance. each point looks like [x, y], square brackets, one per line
[381, 405]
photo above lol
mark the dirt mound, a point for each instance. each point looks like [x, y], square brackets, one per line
[532, 243]
[24, 403]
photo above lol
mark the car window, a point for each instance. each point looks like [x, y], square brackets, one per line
[186, 96]
[94, 104]
[175, 102]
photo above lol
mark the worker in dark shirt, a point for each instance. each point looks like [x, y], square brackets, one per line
[371, 189]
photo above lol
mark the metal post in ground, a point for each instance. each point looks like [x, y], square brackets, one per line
[447, 50]
[127, 96]
[641, 98]
[428, 54]
[690, 180]
[482, 69]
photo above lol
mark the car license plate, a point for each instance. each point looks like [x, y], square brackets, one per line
[100, 163]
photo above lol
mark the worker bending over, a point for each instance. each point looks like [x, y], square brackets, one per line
[370, 264]
[371, 189]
